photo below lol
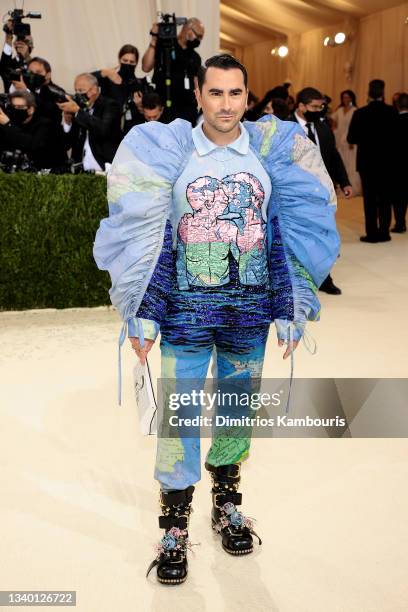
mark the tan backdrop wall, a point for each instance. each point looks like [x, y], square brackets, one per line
[85, 35]
[378, 49]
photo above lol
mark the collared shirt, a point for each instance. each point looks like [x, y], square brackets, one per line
[303, 123]
[88, 160]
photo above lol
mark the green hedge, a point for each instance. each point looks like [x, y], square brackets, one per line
[47, 229]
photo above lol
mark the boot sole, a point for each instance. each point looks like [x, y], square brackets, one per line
[165, 581]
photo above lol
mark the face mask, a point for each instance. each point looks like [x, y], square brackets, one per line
[127, 72]
[82, 100]
[193, 44]
[17, 115]
[312, 116]
[34, 81]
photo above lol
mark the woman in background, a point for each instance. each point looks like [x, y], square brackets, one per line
[341, 122]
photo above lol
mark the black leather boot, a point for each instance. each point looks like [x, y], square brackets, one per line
[235, 529]
[171, 560]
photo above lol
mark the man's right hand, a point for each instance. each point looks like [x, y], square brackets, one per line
[20, 85]
[141, 352]
[155, 29]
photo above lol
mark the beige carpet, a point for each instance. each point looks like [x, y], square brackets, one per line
[79, 504]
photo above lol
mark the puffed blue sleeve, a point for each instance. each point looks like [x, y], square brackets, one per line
[131, 243]
[302, 235]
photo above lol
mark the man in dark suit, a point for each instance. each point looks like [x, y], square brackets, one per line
[91, 124]
[309, 114]
[23, 129]
[372, 129]
[400, 180]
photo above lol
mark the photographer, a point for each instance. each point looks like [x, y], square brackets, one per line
[184, 65]
[38, 79]
[23, 129]
[121, 84]
[23, 47]
[91, 124]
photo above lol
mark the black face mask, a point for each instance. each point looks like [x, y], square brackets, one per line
[127, 72]
[313, 116]
[34, 81]
[193, 44]
[17, 115]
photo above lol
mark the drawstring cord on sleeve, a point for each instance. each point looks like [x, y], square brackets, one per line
[122, 338]
[310, 345]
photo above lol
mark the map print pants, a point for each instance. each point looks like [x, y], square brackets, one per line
[238, 355]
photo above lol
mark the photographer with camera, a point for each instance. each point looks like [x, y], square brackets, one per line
[91, 124]
[122, 84]
[23, 46]
[23, 129]
[38, 79]
[173, 56]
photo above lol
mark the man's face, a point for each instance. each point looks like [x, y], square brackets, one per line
[194, 31]
[20, 103]
[314, 106]
[37, 68]
[153, 114]
[223, 98]
[83, 86]
[22, 48]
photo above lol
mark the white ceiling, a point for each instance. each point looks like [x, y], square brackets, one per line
[245, 22]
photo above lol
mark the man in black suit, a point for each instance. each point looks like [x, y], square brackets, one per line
[309, 114]
[372, 129]
[91, 124]
[23, 129]
[400, 180]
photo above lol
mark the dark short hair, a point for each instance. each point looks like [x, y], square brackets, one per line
[376, 89]
[26, 95]
[40, 60]
[402, 102]
[223, 61]
[151, 100]
[128, 49]
[306, 95]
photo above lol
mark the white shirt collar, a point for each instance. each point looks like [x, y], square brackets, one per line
[204, 145]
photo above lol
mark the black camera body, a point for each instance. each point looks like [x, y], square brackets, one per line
[15, 161]
[20, 29]
[168, 26]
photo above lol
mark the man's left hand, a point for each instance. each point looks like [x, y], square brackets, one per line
[20, 85]
[348, 191]
[291, 347]
[4, 120]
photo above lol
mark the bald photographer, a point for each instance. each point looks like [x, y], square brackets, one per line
[91, 124]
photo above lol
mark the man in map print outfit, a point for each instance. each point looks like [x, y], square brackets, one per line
[213, 233]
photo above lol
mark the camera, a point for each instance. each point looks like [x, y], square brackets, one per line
[168, 26]
[14, 161]
[20, 29]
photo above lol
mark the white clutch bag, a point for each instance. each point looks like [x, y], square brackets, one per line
[145, 400]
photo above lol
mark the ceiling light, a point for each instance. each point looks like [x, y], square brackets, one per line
[326, 41]
[283, 51]
[340, 38]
